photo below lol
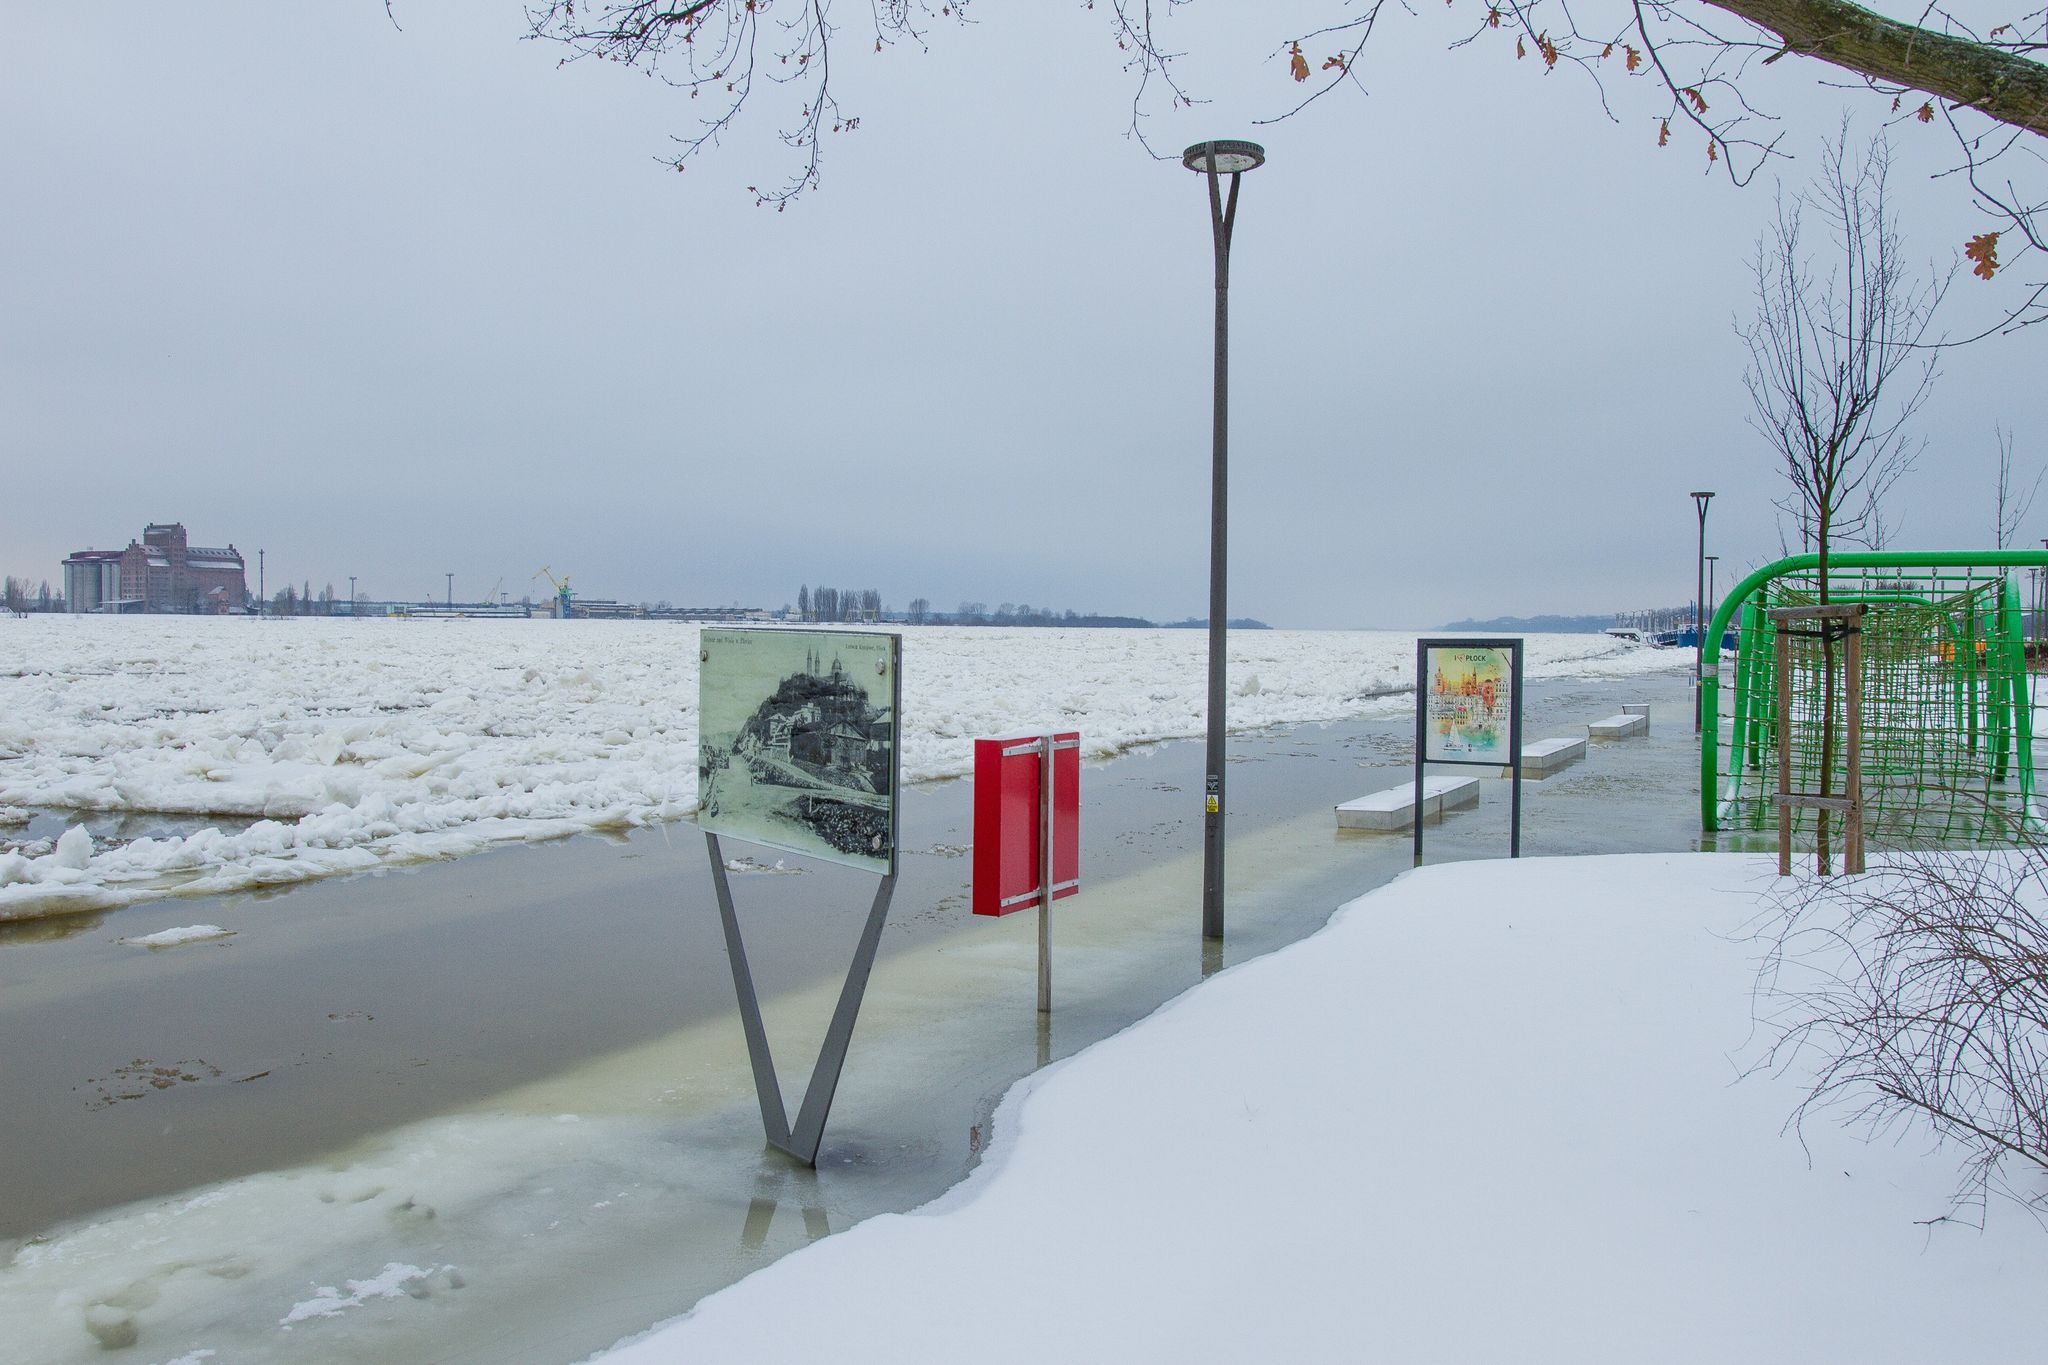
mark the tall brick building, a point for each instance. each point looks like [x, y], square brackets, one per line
[159, 573]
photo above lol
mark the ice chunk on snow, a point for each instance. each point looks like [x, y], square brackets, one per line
[171, 938]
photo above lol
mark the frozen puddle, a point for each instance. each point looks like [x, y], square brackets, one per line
[172, 938]
[579, 1209]
[330, 1263]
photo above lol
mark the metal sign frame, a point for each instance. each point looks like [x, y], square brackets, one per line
[802, 1139]
[1513, 647]
[1056, 795]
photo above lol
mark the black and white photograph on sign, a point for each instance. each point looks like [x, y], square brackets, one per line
[796, 741]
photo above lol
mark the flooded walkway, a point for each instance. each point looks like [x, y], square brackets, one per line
[500, 1109]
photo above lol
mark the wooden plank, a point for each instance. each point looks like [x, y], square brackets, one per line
[1845, 804]
[1852, 829]
[1784, 753]
[1837, 611]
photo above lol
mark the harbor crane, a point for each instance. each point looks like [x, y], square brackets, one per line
[563, 607]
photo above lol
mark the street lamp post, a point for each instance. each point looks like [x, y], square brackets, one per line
[1699, 629]
[351, 594]
[1712, 598]
[451, 590]
[1215, 160]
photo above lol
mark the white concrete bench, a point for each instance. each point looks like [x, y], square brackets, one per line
[1618, 727]
[1394, 808]
[1636, 708]
[1548, 755]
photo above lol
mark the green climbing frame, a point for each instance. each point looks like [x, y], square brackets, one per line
[1948, 724]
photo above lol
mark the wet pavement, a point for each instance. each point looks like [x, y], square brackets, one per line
[563, 1013]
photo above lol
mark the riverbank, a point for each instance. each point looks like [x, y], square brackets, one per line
[537, 1045]
[1495, 1111]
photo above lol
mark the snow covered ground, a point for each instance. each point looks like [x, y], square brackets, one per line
[332, 746]
[1494, 1111]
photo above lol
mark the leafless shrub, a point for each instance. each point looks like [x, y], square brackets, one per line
[1917, 993]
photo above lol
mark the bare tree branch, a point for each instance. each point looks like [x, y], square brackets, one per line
[1990, 90]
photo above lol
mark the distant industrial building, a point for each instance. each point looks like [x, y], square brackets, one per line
[159, 573]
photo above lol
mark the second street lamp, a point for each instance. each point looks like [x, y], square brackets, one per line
[1699, 627]
[1214, 161]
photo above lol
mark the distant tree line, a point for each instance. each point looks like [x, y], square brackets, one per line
[1024, 614]
[300, 601]
[20, 597]
[838, 604]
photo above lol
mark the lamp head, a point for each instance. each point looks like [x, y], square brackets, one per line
[1231, 156]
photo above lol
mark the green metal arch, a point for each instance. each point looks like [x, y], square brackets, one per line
[1743, 592]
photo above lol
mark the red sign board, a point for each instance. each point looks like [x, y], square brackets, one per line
[1008, 800]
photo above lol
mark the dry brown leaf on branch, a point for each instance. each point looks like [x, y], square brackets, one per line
[1699, 101]
[1663, 131]
[1895, 103]
[1983, 249]
[1493, 18]
[1607, 52]
[1925, 113]
[1713, 153]
[1547, 48]
[1296, 63]
[1520, 51]
[1633, 59]
[1336, 61]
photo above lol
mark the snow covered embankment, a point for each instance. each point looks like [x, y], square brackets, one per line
[333, 746]
[1490, 1113]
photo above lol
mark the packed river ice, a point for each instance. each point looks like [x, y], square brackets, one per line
[145, 757]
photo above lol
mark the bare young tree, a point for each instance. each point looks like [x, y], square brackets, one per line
[2013, 505]
[1838, 364]
[1839, 355]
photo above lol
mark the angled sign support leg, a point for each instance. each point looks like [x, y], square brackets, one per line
[801, 1142]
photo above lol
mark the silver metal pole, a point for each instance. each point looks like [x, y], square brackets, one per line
[1045, 874]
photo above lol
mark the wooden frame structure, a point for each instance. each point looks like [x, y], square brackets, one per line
[1843, 622]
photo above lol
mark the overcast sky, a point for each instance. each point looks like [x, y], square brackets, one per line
[397, 303]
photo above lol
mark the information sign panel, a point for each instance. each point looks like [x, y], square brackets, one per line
[1008, 802]
[1468, 698]
[1468, 710]
[796, 741]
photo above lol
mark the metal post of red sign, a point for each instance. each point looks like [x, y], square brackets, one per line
[1045, 877]
[1027, 840]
